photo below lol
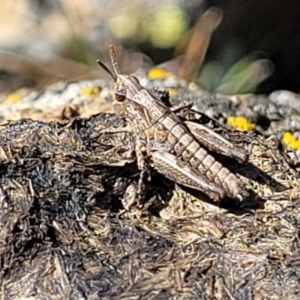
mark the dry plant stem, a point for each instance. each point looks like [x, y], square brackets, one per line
[198, 43]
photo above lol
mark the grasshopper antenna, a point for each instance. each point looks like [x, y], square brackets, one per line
[106, 69]
[114, 61]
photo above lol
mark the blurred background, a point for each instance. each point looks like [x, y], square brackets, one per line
[225, 46]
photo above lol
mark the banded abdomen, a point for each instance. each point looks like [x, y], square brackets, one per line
[185, 146]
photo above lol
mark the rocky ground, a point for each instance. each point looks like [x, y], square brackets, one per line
[62, 185]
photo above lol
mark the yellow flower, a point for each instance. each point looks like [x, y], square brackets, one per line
[158, 73]
[291, 141]
[241, 123]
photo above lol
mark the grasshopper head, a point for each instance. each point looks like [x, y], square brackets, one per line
[125, 86]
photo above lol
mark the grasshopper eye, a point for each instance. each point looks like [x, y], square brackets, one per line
[120, 97]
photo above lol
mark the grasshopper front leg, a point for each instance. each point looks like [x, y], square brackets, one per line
[135, 195]
[136, 198]
[140, 150]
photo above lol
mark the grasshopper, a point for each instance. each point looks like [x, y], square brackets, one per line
[174, 148]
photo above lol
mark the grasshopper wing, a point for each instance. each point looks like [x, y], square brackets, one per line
[215, 142]
[180, 172]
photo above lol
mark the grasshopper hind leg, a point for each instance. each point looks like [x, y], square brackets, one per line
[180, 172]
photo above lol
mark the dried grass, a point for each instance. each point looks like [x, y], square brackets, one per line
[62, 238]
